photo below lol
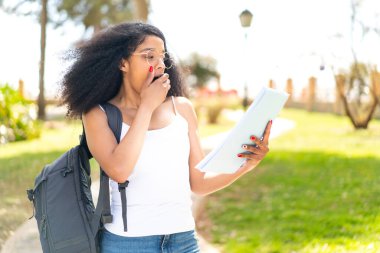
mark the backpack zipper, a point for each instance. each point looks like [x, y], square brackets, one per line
[43, 226]
[44, 222]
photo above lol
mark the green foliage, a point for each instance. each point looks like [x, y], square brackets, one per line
[212, 107]
[16, 122]
[96, 13]
[213, 112]
[200, 69]
[316, 191]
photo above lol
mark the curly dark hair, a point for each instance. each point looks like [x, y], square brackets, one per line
[94, 76]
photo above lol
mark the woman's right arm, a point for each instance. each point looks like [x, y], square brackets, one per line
[117, 160]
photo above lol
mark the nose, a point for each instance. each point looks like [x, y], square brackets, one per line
[161, 64]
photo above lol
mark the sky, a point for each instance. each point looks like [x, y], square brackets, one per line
[286, 39]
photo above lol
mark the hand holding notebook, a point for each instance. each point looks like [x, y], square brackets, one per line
[265, 107]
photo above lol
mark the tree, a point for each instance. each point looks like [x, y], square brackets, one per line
[199, 69]
[42, 13]
[355, 88]
[98, 14]
[357, 94]
[94, 14]
[141, 9]
[41, 84]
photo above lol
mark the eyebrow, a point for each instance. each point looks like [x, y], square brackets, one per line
[150, 49]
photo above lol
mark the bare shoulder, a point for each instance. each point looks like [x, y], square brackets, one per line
[184, 105]
[95, 116]
[186, 109]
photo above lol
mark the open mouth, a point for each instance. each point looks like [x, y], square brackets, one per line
[156, 77]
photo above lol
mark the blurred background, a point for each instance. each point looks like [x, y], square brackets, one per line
[291, 39]
[325, 54]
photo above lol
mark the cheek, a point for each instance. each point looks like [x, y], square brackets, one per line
[138, 78]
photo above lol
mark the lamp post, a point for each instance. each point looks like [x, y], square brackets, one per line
[245, 20]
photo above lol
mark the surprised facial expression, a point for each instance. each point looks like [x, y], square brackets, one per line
[150, 53]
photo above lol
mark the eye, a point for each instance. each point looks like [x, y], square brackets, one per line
[150, 55]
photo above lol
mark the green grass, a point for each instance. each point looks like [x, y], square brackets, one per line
[20, 162]
[316, 191]
[223, 125]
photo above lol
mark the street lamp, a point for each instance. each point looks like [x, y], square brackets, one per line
[245, 20]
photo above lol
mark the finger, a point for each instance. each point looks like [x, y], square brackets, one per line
[267, 132]
[150, 76]
[249, 155]
[255, 148]
[257, 141]
[164, 78]
[166, 83]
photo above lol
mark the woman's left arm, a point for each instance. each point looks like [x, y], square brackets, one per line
[205, 183]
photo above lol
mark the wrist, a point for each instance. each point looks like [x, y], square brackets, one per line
[146, 109]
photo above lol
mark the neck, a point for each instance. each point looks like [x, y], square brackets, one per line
[128, 98]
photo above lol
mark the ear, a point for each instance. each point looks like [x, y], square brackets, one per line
[124, 65]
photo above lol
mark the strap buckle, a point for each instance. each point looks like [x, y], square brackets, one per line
[107, 218]
[124, 185]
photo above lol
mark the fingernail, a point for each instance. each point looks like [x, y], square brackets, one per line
[253, 138]
[239, 155]
[244, 146]
[151, 69]
[271, 121]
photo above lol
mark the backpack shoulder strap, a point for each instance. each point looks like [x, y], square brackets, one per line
[83, 144]
[103, 208]
[115, 120]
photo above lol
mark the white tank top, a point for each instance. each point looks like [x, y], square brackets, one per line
[158, 194]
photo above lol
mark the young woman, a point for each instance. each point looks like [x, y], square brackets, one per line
[128, 65]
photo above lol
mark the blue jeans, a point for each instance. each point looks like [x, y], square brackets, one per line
[184, 242]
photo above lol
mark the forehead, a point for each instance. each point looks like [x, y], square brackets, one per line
[151, 43]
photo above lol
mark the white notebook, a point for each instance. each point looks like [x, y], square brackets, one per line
[223, 158]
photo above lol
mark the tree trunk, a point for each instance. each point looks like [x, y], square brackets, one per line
[340, 81]
[358, 123]
[142, 10]
[41, 96]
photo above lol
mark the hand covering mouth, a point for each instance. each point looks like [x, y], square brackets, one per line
[156, 77]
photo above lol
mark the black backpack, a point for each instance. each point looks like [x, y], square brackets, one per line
[67, 219]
